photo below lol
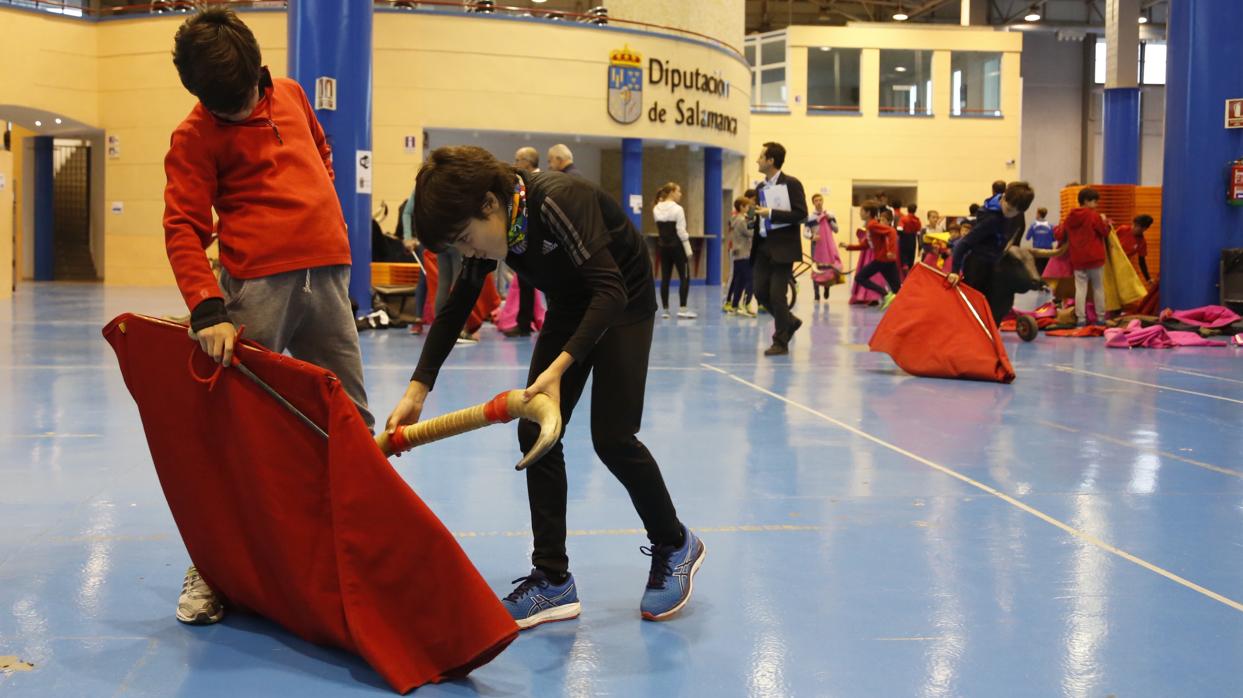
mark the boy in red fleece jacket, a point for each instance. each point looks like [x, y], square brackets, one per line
[253, 150]
[883, 239]
[1085, 230]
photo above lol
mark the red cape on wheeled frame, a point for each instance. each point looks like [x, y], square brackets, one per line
[321, 536]
[935, 330]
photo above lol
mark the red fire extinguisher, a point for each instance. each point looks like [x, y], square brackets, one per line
[1234, 187]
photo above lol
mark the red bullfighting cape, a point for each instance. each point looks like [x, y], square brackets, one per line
[321, 536]
[935, 330]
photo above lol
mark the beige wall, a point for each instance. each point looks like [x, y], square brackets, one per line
[7, 212]
[724, 20]
[953, 160]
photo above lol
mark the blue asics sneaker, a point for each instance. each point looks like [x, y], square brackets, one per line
[537, 600]
[672, 578]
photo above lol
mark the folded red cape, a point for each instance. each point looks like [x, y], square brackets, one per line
[321, 536]
[930, 330]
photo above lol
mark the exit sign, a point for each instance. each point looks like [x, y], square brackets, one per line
[1234, 113]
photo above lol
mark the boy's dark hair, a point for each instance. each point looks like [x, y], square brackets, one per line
[1143, 220]
[999, 186]
[953, 226]
[973, 209]
[218, 59]
[777, 152]
[741, 204]
[451, 188]
[895, 204]
[1019, 195]
[871, 208]
[911, 209]
[817, 196]
[750, 194]
[1088, 194]
[887, 214]
[1042, 212]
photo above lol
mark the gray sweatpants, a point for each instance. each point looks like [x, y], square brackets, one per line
[1096, 279]
[307, 313]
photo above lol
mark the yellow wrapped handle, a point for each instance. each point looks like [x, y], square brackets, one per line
[503, 408]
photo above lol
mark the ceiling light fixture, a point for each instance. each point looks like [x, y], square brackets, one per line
[901, 69]
[900, 16]
[825, 48]
[58, 121]
[38, 123]
[1143, 19]
[1032, 16]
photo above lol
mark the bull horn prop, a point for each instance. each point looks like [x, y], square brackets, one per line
[503, 408]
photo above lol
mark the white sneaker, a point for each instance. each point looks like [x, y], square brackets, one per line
[198, 604]
[687, 314]
[665, 314]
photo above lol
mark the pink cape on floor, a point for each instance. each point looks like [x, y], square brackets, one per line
[1211, 316]
[1154, 337]
[506, 317]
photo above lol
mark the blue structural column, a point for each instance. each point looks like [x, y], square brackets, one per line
[632, 178]
[713, 214]
[333, 40]
[1122, 135]
[45, 211]
[1196, 222]
[1122, 96]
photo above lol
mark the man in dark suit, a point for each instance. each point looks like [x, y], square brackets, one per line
[781, 212]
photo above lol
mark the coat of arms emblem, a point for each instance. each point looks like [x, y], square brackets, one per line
[625, 85]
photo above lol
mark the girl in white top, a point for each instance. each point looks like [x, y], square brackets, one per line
[675, 247]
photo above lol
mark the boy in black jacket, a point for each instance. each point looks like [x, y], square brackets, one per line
[976, 254]
[568, 238]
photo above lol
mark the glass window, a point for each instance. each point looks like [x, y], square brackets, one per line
[773, 51]
[1154, 63]
[773, 86]
[833, 79]
[905, 83]
[975, 83]
[767, 54]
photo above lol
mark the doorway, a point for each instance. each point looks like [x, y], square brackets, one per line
[71, 206]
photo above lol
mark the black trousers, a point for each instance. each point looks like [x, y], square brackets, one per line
[906, 249]
[740, 288]
[772, 283]
[981, 276]
[526, 306]
[671, 257]
[889, 270]
[619, 364]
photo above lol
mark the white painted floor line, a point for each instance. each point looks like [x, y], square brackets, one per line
[1199, 374]
[1142, 449]
[1106, 376]
[1081, 535]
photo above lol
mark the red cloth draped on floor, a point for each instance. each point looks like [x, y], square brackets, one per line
[930, 330]
[321, 536]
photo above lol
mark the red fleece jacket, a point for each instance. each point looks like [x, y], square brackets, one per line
[269, 179]
[884, 241]
[1087, 233]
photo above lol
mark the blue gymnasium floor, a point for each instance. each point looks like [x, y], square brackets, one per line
[869, 533]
